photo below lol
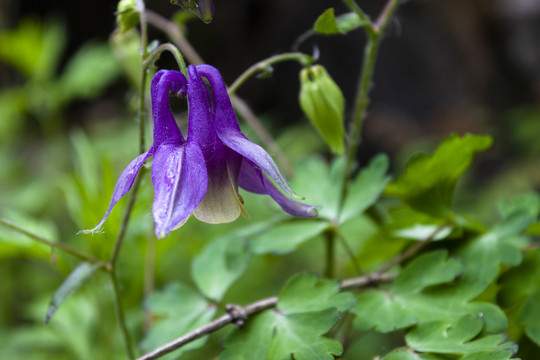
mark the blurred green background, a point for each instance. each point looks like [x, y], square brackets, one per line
[67, 129]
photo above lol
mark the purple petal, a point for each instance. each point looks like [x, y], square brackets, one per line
[180, 181]
[124, 183]
[253, 180]
[229, 132]
[165, 127]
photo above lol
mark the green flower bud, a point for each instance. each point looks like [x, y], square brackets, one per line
[204, 9]
[323, 103]
[127, 15]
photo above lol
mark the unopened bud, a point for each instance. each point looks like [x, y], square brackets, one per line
[127, 15]
[323, 103]
[204, 9]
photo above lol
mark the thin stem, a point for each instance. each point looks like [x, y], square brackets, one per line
[120, 316]
[266, 64]
[144, 55]
[374, 36]
[330, 242]
[154, 56]
[149, 273]
[251, 119]
[386, 15]
[52, 244]
[241, 313]
[125, 221]
[412, 250]
[174, 33]
[349, 252]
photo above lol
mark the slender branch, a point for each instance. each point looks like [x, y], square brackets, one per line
[144, 55]
[120, 316]
[249, 117]
[125, 221]
[330, 242]
[386, 15]
[156, 53]
[266, 64]
[176, 36]
[149, 274]
[374, 36]
[241, 313]
[364, 18]
[52, 244]
[127, 213]
[412, 250]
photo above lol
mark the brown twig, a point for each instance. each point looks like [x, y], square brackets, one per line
[412, 250]
[241, 313]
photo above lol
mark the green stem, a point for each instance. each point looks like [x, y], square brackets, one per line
[52, 244]
[364, 18]
[144, 46]
[120, 316]
[359, 113]
[375, 31]
[173, 50]
[303, 59]
[330, 242]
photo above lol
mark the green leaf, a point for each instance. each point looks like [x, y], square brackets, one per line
[366, 188]
[220, 264]
[519, 289]
[326, 23]
[323, 104]
[404, 354]
[285, 237]
[418, 296]
[307, 308]
[74, 281]
[415, 276]
[33, 48]
[90, 70]
[349, 21]
[455, 338]
[316, 294]
[179, 310]
[429, 181]
[489, 355]
[402, 305]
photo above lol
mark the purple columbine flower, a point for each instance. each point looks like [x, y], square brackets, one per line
[201, 174]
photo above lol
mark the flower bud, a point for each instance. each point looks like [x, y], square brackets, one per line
[204, 9]
[127, 15]
[323, 103]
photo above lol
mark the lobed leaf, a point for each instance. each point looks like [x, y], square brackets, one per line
[429, 181]
[178, 310]
[307, 308]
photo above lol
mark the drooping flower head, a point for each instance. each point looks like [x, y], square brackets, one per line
[201, 174]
